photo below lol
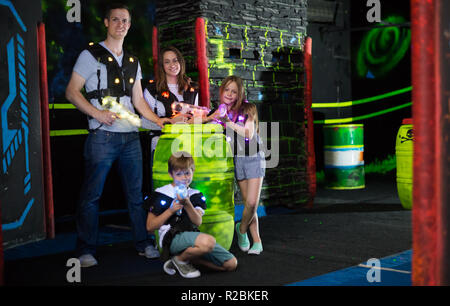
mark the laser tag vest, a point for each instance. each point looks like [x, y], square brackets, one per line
[167, 97]
[243, 146]
[120, 79]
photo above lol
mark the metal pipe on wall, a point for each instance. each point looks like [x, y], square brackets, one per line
[311, 163]
[45, 130]
[428, 237]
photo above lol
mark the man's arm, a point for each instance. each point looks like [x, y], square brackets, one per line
[142, 107]
[74, 95]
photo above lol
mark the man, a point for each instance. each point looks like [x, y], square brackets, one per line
[105, 69]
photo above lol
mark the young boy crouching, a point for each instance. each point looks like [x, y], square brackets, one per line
[176, 211]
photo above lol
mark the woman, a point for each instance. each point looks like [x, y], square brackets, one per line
[172, 84]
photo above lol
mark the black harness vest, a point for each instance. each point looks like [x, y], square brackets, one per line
[167, 97]
[120, 79]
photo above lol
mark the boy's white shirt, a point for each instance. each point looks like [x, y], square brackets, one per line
[169, 191]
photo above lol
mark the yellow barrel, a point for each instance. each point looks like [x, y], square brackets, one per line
[213, 176]
[404, 155]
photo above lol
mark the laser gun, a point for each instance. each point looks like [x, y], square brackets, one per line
[185, 108]
[110, 103]
[181, 190]
[223, 113]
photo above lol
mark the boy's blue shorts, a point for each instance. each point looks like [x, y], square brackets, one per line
[184, 240]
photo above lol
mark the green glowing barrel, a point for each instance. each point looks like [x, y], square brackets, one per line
[213, 176]
[404, 156]
[343, 156]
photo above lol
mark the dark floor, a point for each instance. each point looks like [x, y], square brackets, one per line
[343, 229]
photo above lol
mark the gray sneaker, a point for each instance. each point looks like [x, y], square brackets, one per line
[169, 268]
[150, 252]
[87, 260]
[186, 270]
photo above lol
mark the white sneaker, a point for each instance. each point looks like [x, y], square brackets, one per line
[87, 260]
[186, 269]
[169, 268]
[150, 252]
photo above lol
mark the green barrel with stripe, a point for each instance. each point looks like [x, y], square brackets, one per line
[404, 148]
[344, 156]
[213, 175]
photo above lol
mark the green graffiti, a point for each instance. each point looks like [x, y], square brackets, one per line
[383, 48]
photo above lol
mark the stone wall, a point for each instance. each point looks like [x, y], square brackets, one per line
[262, 42]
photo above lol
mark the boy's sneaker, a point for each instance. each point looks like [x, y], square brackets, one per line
[186, 269]
[243, 242]
[169, 267]
[256, 249]
[87, 260]
[150, 252]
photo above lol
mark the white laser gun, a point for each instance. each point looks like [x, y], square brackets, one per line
[181, 190]
[110, 103]
[185, 108]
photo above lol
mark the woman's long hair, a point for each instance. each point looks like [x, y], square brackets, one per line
[183, 80]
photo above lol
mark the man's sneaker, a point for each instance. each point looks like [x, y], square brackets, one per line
[87, 260]
[150, 252]
[169, 267]
[256, 249]
[186, 270]
[243, 242]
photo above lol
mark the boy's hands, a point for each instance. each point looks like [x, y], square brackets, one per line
[176, 206]
[182, 201]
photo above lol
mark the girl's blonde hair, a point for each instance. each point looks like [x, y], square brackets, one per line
[251, 111]
[183, 80]
[241, 106]
[240, 85]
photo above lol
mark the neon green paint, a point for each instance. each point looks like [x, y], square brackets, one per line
[246, 36]
[252, 26]
[381, 166]
[68, 132]
[362, 101]
[61, 106]
[353, 119]
[383, 48]
[265, 36]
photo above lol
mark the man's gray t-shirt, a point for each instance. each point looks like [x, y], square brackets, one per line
[86, 66]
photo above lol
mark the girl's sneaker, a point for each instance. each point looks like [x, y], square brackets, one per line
[256, 249]
[243, 242]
